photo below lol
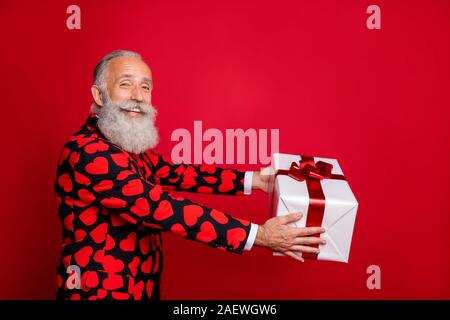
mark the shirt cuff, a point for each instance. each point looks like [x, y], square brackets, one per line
[251, 237]
[248, 179]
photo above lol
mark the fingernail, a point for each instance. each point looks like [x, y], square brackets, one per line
[324, 241]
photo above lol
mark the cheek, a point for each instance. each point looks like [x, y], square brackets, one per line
[119, 95]
[148, 98]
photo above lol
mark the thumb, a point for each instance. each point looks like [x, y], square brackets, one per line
[291, 217]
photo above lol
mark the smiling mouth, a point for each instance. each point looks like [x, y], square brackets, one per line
[133, 112]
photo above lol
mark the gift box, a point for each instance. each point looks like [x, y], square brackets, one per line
[318, 188]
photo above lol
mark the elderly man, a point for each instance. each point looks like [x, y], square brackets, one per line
[113, 200]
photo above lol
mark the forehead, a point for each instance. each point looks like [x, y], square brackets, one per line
[129, 66]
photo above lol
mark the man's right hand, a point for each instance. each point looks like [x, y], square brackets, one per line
[277, 236]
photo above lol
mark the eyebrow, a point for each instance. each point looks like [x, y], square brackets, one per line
[146, 79]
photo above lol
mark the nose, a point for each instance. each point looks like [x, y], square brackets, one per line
[136, 94]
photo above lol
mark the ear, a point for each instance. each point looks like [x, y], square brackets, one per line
[97, 95]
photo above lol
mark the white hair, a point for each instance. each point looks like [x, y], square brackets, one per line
[100, 70]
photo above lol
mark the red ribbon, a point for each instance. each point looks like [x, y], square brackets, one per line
[311, 172]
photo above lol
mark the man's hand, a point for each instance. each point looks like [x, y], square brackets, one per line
[261, 179]
[275, 235]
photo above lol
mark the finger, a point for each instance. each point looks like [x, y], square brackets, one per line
[302, 232]
[309, 240]
[305, 249]
[297, 253]
[291, 217]
[294, 256]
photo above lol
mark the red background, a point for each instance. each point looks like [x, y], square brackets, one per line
[377, 100]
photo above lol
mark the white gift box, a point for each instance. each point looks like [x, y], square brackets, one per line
[291, 195]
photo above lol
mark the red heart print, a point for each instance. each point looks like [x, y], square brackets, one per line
[65, 182]
[99, 233]
[82, 179]
[144, 244]
[191, 214]
[98, 166]
[163, 211]
[235, 236]
[147, 265]
[120, 159]
[133, 265]
[112, 265]
[178, 228]
[96, 147]
[89, 216]
[219, 216]
[141, 207]
[113, 282]
[129, 243]
[207, 232]
[83, 256]
[133, 188]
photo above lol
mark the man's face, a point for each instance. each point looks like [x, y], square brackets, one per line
[129, 78]
[126, 115]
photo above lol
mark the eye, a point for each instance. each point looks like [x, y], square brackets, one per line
[125, 84]
[147, 88]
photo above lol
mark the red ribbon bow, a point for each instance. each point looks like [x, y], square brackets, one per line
[307, 170]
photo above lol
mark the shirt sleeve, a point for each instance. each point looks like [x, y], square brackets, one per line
[252, 237]
[195, 178]
[248, 179]
[109, 180]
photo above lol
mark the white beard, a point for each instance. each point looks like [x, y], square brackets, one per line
[132, 134]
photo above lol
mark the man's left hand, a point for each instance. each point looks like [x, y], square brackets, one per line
[262, 179]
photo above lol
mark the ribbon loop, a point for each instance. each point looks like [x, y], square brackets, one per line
[308, 169]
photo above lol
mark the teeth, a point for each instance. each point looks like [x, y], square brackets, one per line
[133, 110]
